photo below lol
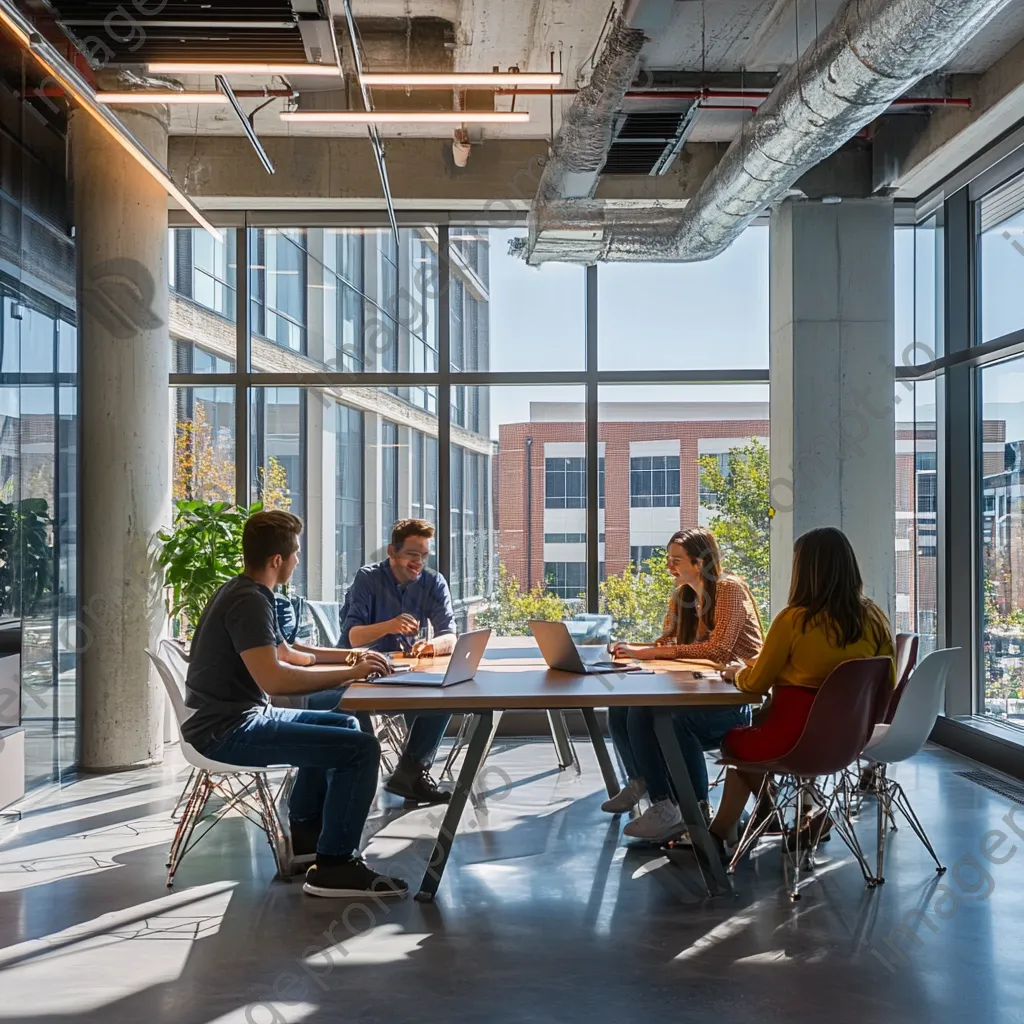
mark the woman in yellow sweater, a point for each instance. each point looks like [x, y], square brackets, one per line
[827, 621]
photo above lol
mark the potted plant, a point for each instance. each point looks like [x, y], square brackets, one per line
[202, 551]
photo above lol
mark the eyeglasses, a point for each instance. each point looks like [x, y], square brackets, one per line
[412, 556]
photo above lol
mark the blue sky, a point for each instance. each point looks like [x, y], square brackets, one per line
[650, 316]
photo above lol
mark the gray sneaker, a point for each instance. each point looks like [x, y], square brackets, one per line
[659, 822]
[627, 798]
[684, 839]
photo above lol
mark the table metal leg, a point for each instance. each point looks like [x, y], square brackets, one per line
[479, 744]
[561, 739]
[611, 780]
[716, 881]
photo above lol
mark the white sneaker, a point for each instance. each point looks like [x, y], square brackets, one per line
[705, 810]
[659, 822]
[627, 798]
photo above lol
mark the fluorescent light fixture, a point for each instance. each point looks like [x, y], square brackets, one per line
[161, 96]
[79, 90]
[408, 116]
[177, 67]
[461, 79]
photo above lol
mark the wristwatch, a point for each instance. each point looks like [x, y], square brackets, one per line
[353, 658]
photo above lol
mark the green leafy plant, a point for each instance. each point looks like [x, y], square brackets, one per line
[741, 519]
[511, 609]
[201, 552]
[637, 602]
[26, 555]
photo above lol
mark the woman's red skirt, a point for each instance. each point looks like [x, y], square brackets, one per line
[777, 734]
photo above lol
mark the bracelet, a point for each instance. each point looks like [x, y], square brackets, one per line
[352, 658]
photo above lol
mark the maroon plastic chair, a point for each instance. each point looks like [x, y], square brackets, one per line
[907, 646]
[842, 719]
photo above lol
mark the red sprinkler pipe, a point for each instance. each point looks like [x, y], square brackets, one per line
[733, 94]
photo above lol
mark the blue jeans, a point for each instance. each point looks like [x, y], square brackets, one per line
[337, 762]
[425, 733]
[425, 730]
[697, 730]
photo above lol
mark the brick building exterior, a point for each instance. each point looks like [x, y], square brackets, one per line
[533, 532]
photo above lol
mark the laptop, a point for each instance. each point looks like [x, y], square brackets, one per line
[462, 666]
[560, 652]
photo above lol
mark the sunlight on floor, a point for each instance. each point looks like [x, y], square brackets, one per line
[384, 944]
[112, 956]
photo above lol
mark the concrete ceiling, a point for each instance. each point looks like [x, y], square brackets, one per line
[707, 38]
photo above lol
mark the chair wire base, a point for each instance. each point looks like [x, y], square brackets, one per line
[893, 797]
[791, 795]
[250, 794]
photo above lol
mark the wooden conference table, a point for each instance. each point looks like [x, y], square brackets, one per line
[513, 676]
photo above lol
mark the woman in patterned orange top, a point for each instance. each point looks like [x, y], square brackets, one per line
[712, 616]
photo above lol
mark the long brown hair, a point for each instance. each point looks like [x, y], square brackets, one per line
[700, 545]
[828, 585]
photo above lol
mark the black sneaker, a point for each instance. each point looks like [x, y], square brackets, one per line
[304, 837]
[412, 781]
[351, 878]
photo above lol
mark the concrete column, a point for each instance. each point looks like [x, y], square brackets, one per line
[121, 242]
[832, 373]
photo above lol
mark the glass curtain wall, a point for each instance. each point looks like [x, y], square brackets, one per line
[437, 375]
[918, 336]
[39, 635]
[999, 451]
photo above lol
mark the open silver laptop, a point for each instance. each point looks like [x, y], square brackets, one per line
[465, 660]
[560, 652]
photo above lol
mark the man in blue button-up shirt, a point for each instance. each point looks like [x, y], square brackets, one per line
[387, 609]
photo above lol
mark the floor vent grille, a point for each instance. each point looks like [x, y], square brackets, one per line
[997, 785]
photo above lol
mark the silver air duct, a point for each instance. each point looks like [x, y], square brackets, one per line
[581, 145]
[871, 53]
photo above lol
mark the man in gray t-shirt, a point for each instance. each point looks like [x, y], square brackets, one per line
[241, 616]
[239, 660]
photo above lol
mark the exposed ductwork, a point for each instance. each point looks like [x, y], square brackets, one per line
[585, 136]
[872, 53]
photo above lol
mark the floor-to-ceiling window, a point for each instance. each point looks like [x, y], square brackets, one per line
[918, 337]
[999, 450]
[411, 376]
[39, 615]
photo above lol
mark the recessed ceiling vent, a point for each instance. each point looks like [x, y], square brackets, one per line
[648, 142]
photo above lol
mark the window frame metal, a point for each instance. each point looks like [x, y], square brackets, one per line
[445, 378]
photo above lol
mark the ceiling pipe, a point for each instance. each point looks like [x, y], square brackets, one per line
[585, 135]
[872, 53]
[734, 94]
[242, 94]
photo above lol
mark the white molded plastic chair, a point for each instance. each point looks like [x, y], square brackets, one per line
[176, 661]
[242, 788]
[912, 723]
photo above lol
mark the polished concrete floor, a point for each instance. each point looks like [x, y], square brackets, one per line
[543, 915]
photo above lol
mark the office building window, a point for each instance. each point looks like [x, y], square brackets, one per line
[706, 495]
[349, 489]
[457, 552]
[565, 483]
[204, 269]
[279, 286]
[927, 503]
[654, 481]
[566, 579]
[389, 477]
[642, 555]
